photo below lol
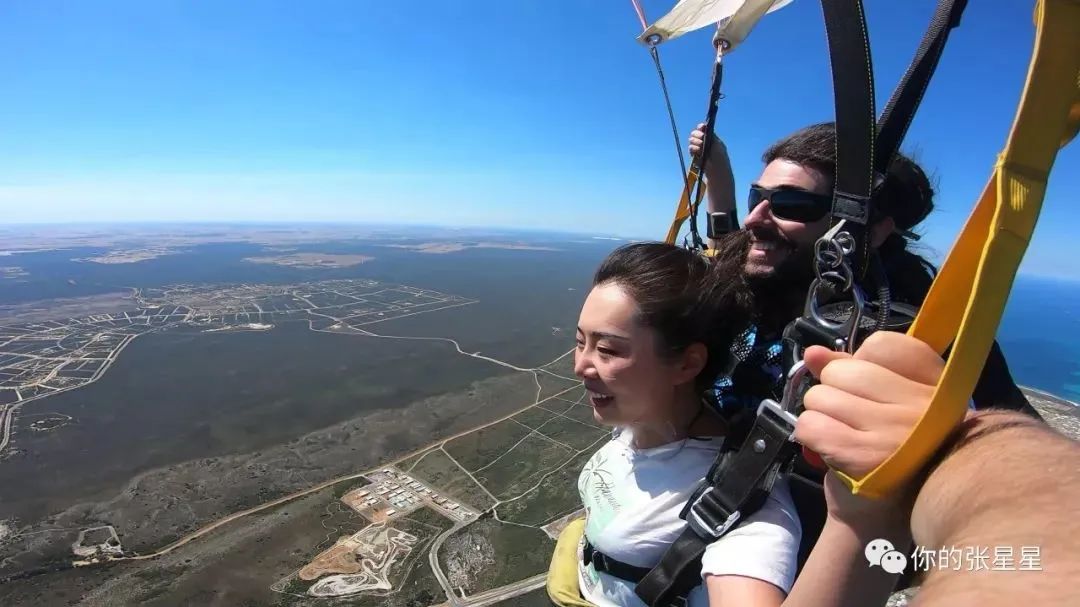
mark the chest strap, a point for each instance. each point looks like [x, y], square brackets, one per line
[614, 567]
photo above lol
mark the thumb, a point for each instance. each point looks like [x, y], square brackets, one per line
[817, 357]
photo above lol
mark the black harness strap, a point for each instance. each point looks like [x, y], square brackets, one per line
[905, 100]
[856, 122]
[605, 564]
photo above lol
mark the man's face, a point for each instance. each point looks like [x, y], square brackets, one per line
[781, 248]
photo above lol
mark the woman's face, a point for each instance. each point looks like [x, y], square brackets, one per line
[617, 359]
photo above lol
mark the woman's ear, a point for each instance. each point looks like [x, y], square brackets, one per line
[691, 363]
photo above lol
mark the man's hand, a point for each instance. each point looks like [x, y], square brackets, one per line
[717, 172]
[697, 140]
[867, 403]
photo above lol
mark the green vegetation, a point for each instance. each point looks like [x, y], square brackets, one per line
[158, 580]
[523, 466]
[564, 366]
[518, 553]
[582, 413]
[295, 586]
[344, 487]
[533, 417]
[437, 470]
[406, 464]
[477, 449]
[556, 496]
[424, 518]
[551, 385]
[577, 434]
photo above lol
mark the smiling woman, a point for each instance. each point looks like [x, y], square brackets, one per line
[655, 331]
[653, 334]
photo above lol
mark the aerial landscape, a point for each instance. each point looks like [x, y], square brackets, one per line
[360, 414]
[290, 436]
[289, 296]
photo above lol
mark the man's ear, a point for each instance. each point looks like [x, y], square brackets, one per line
[691, 363]
[881, 230]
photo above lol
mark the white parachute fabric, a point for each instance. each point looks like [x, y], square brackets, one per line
[735, 18]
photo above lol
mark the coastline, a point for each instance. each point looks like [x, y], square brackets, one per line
[1049, 396]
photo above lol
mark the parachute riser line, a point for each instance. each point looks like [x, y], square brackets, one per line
[702, 159]
[655, 54]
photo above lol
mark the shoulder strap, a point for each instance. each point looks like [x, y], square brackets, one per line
[856, 122]
[900, 110]
[735, 487]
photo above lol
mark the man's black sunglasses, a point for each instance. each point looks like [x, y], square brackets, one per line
[791, 204]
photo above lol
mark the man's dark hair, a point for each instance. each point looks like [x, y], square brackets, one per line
[684, 297]
[906, 195]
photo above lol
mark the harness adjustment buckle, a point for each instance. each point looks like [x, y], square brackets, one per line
[777, 410]
[696, 518]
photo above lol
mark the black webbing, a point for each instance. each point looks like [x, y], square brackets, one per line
[702, 159]
[856, 122]
[611, 566]
[905, 100]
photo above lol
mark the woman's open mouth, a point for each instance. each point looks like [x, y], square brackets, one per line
[599, 399]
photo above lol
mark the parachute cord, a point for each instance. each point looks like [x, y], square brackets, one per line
[655, 54]
[671, 115]
[640, 15]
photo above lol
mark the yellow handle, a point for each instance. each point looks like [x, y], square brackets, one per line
[682, 210]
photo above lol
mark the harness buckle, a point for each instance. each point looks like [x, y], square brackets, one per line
[697, 522]
[779, 410]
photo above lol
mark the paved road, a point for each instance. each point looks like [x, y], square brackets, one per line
[502, 593]
[433, 559]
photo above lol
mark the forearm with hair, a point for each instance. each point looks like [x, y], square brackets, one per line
[721, 190]
[837, 574]
[1007, 481]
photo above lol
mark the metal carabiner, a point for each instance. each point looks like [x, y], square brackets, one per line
[844, 331]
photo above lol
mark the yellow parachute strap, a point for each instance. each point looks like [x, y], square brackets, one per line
[562, 580]
[965, 304]
[682, 211]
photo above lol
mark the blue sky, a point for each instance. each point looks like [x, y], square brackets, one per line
[525, 113]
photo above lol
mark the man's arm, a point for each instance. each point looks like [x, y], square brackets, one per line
[837, 573]
[1009, 481]
[717, 171]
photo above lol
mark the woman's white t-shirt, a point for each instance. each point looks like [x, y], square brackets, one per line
[633, 498]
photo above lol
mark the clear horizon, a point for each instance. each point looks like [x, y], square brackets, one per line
[475, 118]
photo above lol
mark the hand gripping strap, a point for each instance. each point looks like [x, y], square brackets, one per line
[965, 304]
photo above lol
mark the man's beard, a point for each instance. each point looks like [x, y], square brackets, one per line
[779, 293]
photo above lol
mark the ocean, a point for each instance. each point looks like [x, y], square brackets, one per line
[1040, 335]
